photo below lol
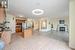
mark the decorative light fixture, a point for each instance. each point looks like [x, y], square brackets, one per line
[4, 3]
[38, 11]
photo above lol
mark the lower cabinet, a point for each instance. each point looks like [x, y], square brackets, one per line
[28, 33]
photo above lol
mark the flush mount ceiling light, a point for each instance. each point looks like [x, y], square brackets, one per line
[38, 11]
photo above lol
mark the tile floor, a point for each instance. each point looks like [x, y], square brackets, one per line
[62, 36]
[40, 41]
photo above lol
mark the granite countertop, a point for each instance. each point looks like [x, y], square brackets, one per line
[7, 30]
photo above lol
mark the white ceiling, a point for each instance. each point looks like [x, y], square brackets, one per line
[51, 7]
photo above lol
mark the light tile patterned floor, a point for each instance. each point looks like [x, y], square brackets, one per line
[37, 42]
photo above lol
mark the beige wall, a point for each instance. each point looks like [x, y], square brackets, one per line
[72, 24]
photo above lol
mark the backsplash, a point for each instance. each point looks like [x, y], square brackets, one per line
[3, 27]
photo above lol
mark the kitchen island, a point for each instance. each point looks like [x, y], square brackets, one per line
[27, 33]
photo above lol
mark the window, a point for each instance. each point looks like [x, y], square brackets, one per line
[61, 21]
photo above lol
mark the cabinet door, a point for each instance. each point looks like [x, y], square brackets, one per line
[1, 15]
[18, 27]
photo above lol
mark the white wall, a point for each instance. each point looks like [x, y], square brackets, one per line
[27, 24]
[36, 25]
[54, 21]
[41, 24]
[11, 18]
[72, 24]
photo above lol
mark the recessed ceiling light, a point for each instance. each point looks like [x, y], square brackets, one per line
[38, 11]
